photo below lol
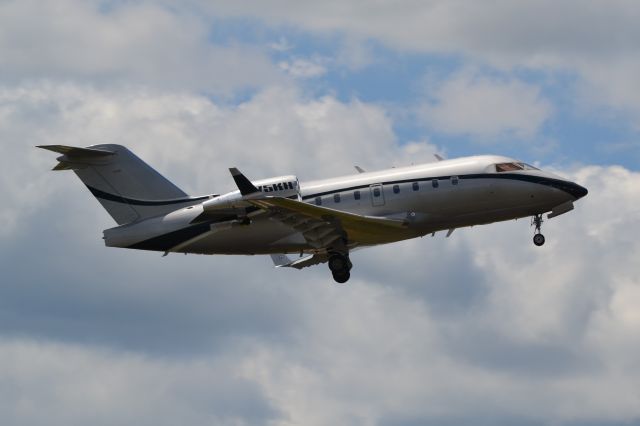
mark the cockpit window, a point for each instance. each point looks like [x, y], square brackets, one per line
[508, 167]
[512, 167]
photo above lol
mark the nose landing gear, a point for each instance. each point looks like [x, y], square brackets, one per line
[538, 238]
[340, 266]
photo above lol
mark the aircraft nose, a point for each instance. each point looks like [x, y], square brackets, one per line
[581, 191]
[574, 189]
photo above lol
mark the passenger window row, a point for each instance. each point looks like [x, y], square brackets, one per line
[415, 186]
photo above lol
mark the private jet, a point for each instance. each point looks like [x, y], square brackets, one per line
[302, 224]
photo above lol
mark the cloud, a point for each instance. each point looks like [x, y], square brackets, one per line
[282, 45]
[480, 327]
[593, 41]
[302, 68]
[502, 31]
[193, 141]
[355, 54]
[149, 43]
[485, 108]
[614, 85]
[179, 132]
[126, 43]
[72, 384]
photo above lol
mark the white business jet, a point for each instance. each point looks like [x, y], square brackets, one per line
[320, 221]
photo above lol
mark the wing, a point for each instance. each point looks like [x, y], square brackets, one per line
[323, 227]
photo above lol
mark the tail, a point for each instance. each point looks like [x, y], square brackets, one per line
[127, 187]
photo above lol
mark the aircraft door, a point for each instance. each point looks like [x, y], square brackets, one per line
[377, 194]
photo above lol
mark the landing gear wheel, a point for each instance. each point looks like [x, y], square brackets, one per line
[340, 266]
[538, 238]
[341, 277]
[338, 262]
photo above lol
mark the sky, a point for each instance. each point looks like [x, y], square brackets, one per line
[480, 328]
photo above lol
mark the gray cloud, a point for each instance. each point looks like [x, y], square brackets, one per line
[502, 30]
[485, 108]
[124, 43]
[593, 40]
[100, 296]
[194, 134]
[480, 326]
[45, 383]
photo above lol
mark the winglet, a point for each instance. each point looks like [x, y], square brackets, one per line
[244, 185]
[360, 169]
[438, 157]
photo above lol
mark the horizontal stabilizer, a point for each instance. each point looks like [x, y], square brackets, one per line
[72, 151]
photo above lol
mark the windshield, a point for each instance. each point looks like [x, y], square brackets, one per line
[511, 167]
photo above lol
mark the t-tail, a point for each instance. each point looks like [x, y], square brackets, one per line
[127, 187]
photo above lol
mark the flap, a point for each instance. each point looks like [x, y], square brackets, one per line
[358, 228]
[283, 261]
[348, 220]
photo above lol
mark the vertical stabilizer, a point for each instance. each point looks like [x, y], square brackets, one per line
[127, 187]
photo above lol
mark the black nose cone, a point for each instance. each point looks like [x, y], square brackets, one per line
[576, 190]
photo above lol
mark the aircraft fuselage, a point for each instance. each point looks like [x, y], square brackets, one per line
[431, 197]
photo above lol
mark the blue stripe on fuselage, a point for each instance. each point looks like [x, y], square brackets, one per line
[124, 200]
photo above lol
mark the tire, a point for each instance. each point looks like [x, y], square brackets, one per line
[341, 277]
[538, 239]
[338, 262]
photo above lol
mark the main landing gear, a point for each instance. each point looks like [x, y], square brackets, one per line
[538, 238]
[340, 266]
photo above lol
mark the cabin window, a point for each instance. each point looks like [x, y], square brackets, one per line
[434, 183]
[336, 198]
[318, 201]
[415, 186]
[396, 189]
[356, 195]
[454, 180]
[376, 192]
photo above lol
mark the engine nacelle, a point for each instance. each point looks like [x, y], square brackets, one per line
[282, 186]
